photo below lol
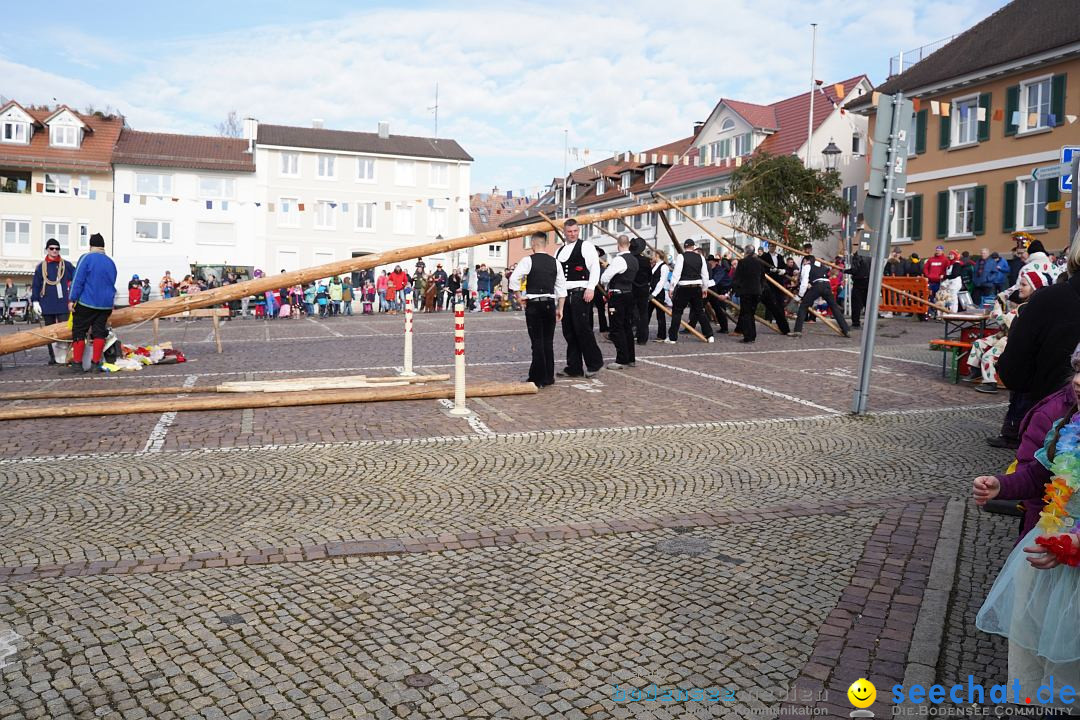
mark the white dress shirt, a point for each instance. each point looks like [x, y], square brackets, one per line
[804, 277]
[521, 271]
[661, 286]
[592, 264]
[616, 266]
[677, 273]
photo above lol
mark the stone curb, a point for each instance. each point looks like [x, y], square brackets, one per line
[922, 659]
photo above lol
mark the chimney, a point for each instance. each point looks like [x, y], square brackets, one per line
[251, 131]
[697, 126]
[317, 124]
[384, 129]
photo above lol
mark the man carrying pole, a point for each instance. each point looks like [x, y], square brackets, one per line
[814, 284]
[581, 268]
[691, 281]
[543, 294]
[619, 279]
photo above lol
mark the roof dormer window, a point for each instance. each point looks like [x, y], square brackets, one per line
[625, 182]
[66, 136]
[650, 174]
[728, 124]
[601, 187]
[16, 132]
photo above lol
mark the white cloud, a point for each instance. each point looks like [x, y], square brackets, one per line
[512, 76]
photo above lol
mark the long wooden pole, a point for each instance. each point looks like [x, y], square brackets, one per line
[731, 304]
[723, 242]
[264, 400]
[217, 296]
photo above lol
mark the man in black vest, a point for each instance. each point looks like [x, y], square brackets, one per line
[771, 297]
[658, 284]
[691, 283]
[747, 284]
[581, 268]
[642, 290]
[542, 295]
[814, 284]
[860, 285]
[619, 279]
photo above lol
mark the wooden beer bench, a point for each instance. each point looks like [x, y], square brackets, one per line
[213, 313]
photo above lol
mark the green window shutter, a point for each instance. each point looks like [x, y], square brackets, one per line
[916, 217]
[984, 125]
[1012, 106]
[1057, 99]
[1008, 218]
[920, 132]
[1053, 194]
[978, 223]
[945, 132]
[943, 213]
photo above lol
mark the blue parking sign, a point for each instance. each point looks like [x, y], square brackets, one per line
[1067, 154]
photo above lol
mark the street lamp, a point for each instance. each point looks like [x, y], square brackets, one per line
[831, 153]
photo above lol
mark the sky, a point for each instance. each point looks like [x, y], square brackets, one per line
[517, 80]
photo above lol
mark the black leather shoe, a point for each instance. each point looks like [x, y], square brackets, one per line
[999, 441]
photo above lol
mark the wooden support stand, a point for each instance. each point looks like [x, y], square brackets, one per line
[214, 314]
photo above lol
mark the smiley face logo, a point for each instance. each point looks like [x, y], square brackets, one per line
[862, 693]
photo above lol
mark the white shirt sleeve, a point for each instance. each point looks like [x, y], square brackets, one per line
[676, 272]
[560, 281]
[804, 278]
[522, 269]
[616, 266]
[592, 262]
[704, 274]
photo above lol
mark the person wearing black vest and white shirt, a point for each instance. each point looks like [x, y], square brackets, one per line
[814, 284]
[658, 283]
[691, 283]
[543, 295]
[642, 290]
[619, 279]
[771, 296]
[581, 268]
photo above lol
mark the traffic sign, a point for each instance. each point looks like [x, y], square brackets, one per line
[1047, 172]
[1067, 154]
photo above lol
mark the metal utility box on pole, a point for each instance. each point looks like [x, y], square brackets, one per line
[888, 181]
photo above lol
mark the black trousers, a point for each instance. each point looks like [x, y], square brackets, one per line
[540, 322]
[52, 320]
[774, 303]
[688, 295]
[747, 325]
[815, 291]
[622, 326]
[601, 310]
[718, 307]
[661, 320]
[90, 319]
[641, 314]
[577, 330]
[859, 289]
[1019, 404]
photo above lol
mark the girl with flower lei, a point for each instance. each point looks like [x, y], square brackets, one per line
[1035, 600]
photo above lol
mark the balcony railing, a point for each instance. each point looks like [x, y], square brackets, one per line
[906, 59]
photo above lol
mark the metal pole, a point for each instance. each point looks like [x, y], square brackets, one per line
[565, 154]
[459, 361]
[810, 119]
[1074, 211]
[877, 269]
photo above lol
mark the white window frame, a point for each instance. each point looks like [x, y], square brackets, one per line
[161, 225]
[746, 139]
[164, 184]
[650, 174]
[903, 219]
[674, 217]
[399, 228]
[624, 181]
[495, 251]
[361, 164]
[84, 234]
[405, 173]
[954, 127]
[324, 163]
[290, 165]
[1025, 112]
[325, 218]
[227, 191]
[368, 215]
[953, 191]
[291, 217]
[601, 186]
[63, 136]
[1024, 185]
[199, 238]
[573, 192]
[434, 227]
[433, 181]
[17, 248]
[18, 128]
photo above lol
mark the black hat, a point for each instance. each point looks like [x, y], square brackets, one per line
[1035, 246]
[97, 241]
[52, 243]
[688, 243]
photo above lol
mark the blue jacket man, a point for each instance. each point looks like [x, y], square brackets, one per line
[50, 290]
[92, 293]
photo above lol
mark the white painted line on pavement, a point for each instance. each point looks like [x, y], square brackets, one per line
[313, 321]
[156, 441]
[747, 386]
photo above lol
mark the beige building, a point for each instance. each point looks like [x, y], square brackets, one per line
[55, 182]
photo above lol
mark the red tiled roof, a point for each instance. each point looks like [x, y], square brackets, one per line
[497, 209]
[183, 151]
[758, 116]
[673, 150]
[790, 115]
[93, 155]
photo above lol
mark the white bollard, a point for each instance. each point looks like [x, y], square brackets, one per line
[459, 361]
[408, 371]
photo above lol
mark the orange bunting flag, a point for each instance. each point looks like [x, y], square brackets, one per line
[875, 97]
[999, 115]
[839, 89]
[916, 104]
[300, 207]
[945, 109]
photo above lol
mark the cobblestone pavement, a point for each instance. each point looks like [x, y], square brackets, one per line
[712, 519]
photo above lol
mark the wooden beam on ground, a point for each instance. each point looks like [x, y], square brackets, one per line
[714, 236]
[734, 305]
[265, 400]
[683, 323]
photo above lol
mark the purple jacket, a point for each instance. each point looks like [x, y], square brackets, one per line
[1028, 482]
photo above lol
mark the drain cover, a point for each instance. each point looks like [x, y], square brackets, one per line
[683, 545]
[419, 680]
[232, 619]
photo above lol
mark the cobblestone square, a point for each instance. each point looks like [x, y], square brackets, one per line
[711, 520]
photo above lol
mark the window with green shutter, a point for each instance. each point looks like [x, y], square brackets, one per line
[943, 213]
[1012, 109]
[1053, 194]
[984, 124]
[979, 221]
[944, 142]
[1057, 99]
[916, 216]
[920, 132]
[1008, 217]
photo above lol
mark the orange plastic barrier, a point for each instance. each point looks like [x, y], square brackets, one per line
[894, 302]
